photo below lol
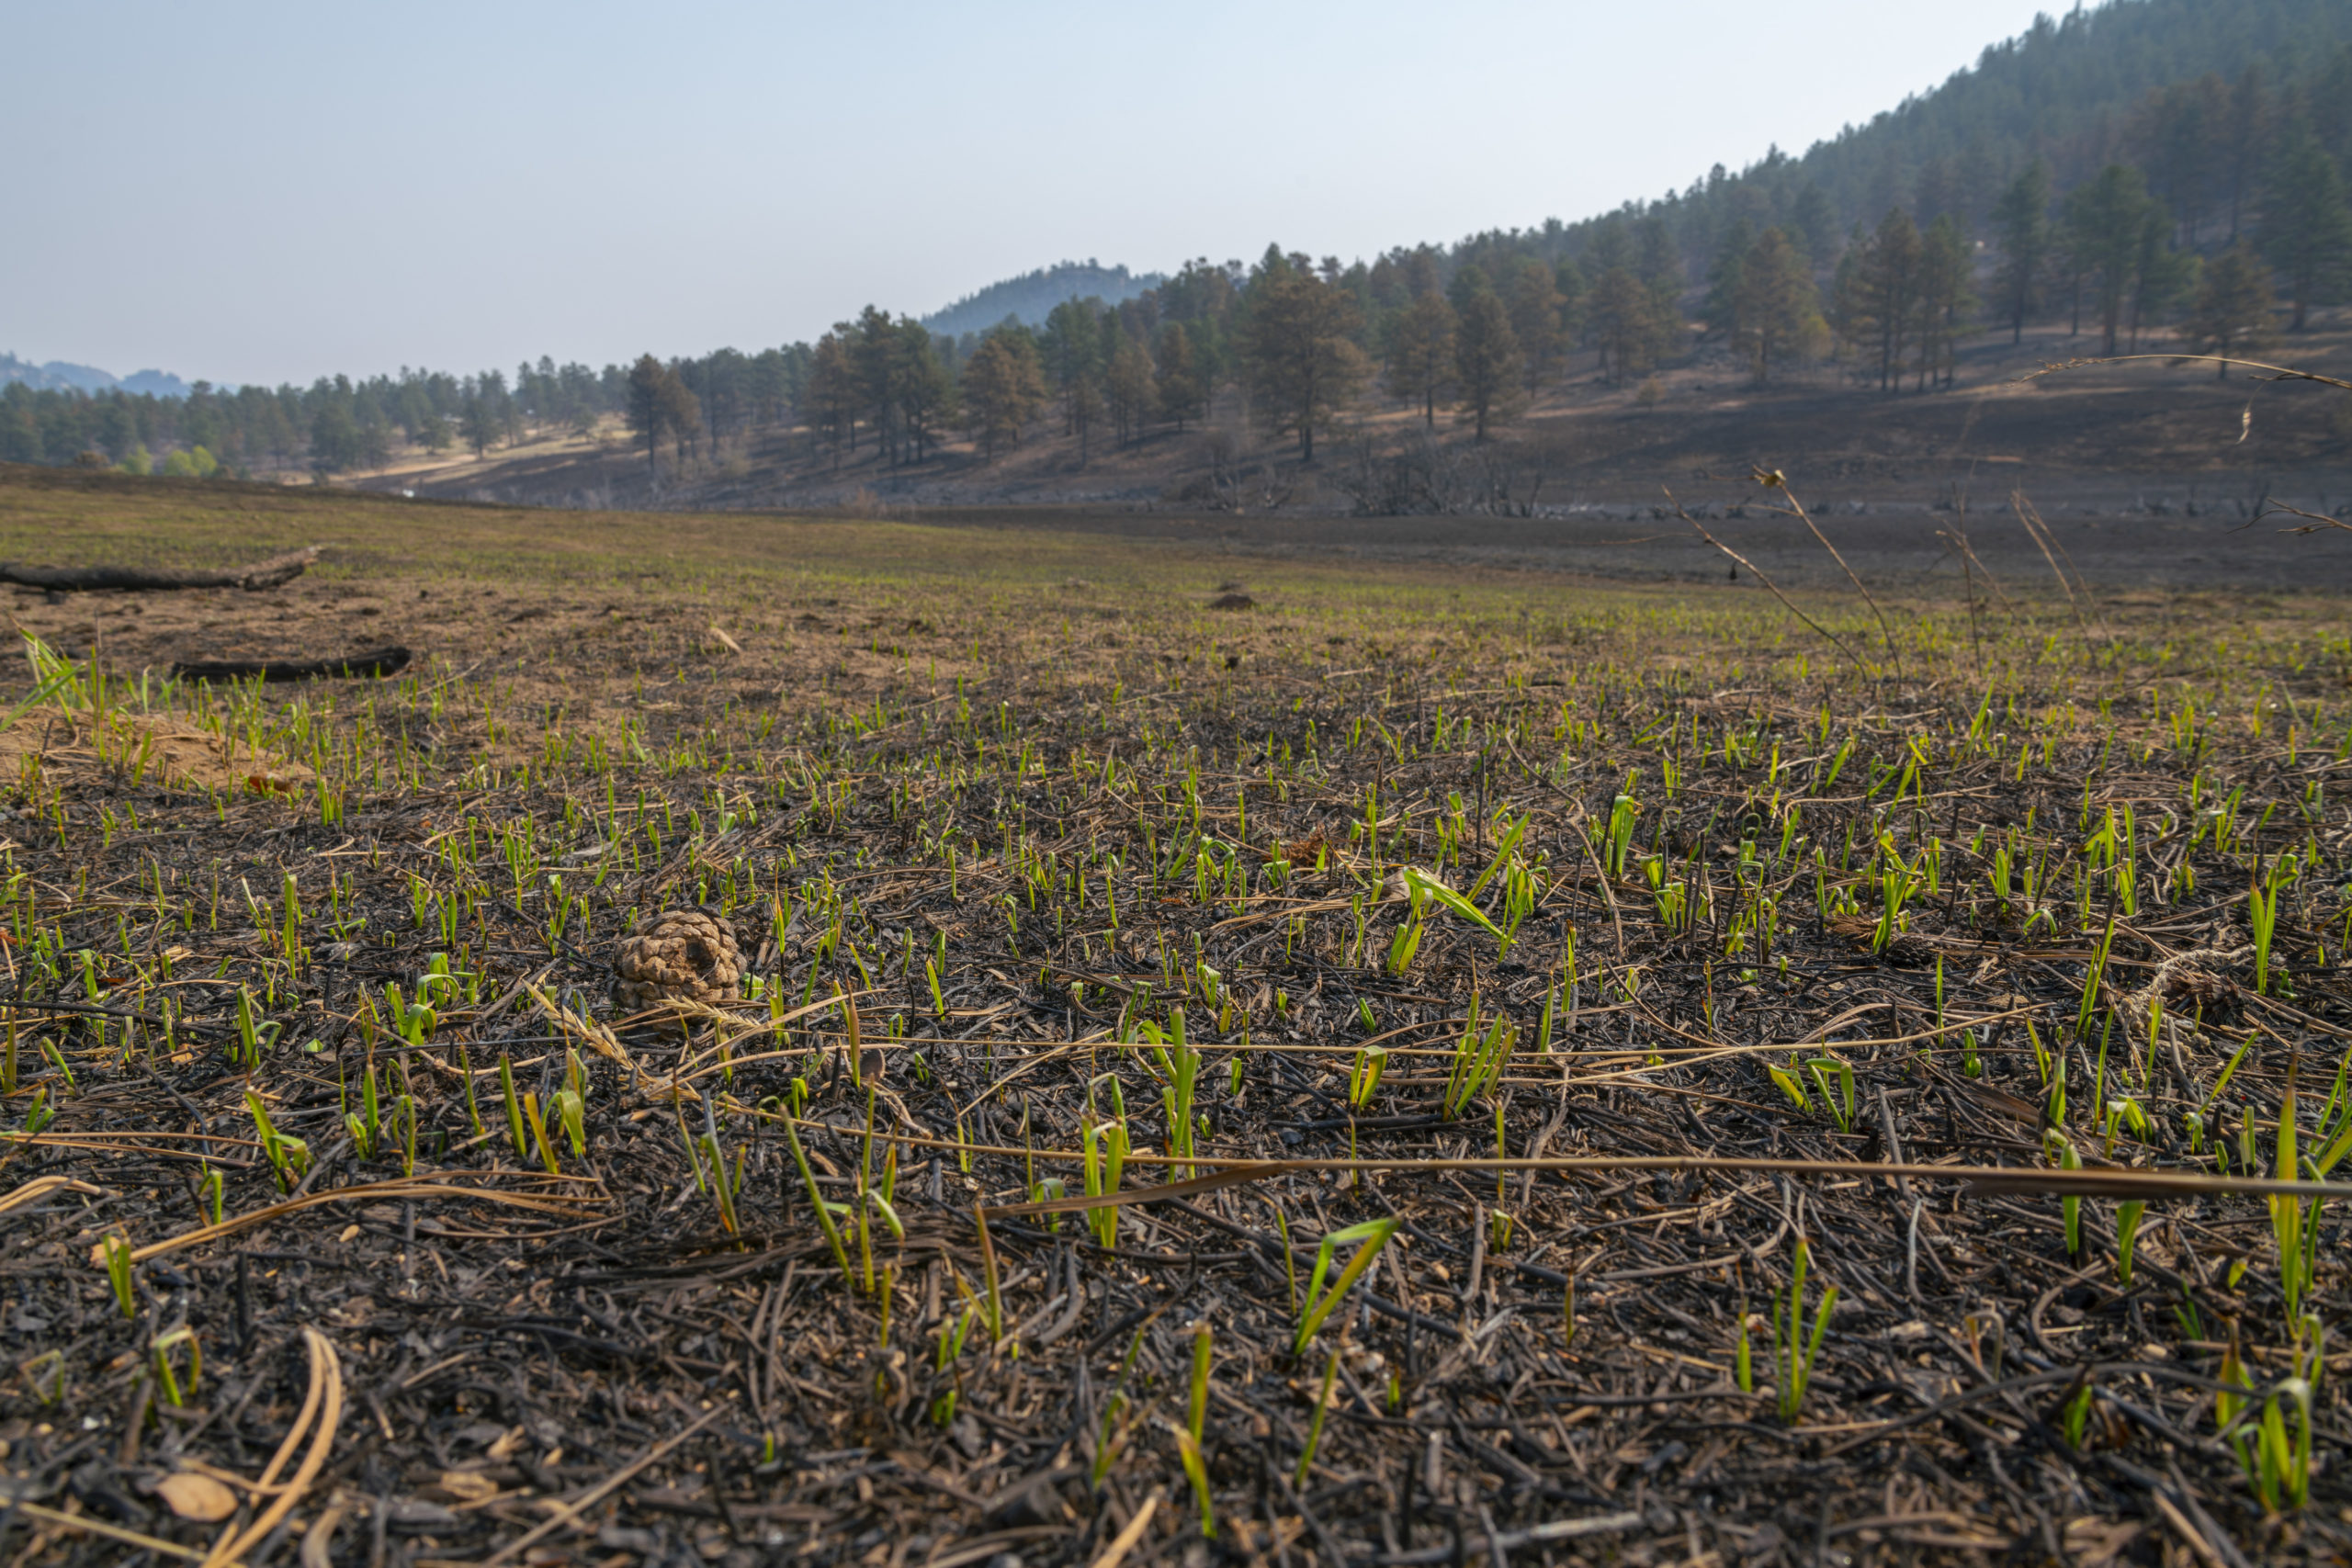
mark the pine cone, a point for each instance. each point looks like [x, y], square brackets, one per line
[677, 955]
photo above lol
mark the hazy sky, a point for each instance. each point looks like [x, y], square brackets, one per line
[269, 192]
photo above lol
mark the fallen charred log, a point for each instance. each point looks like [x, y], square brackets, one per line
[274, 572]
[370, 663]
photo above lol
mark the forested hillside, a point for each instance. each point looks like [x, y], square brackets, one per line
[2156, 171]
[2078, 93]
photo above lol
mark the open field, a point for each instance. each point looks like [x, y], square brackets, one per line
[1492, 994]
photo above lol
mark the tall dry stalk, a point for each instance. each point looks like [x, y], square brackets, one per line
[1971, 565]
[1833, 637]
[1772, 478]
[2045, 539]
[1967, 570]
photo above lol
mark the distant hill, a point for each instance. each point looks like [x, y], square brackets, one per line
[1032, 297]
[163, 384]
[59, 375]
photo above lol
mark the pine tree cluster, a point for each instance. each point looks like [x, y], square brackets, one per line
[2153, 165]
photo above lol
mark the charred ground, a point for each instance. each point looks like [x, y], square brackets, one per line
[2119, 441]
[1017, 794]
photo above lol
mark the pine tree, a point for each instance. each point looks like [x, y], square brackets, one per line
[1073, 356]
[2233, 311]
[476, 426]
[1661, 266]
[2106, 224]
[680, 413]
[1568, 282]
[1488, 363]
[1944, 299]
[1127, 383]
[920, 394]
[1620, 312]
[1004, 387]
[1721, 309]
[1421, 351]
[875, 350]
[2176, 131]
[1610, 246]
[2022, 219]
[1878, 294]
[2306, 229]
[1180, 389]
[375, 439]
[644, 410]
[1815, 223]
[2245, 128]
[334, 439]
[1778, 312]
[1304, 364]
[2164, 279]
[831, 394]
[1082, 407]
[1533, 298]
[2330, 97]
[1420, 272]
[498, 408]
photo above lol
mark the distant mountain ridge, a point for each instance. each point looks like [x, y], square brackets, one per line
[57, 375]
[1032, 297]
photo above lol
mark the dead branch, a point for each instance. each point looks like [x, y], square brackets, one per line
[1773, 480]
[2038, 532]
[2317, 520]
[1767, 582]
[2277, 372]
[274, 572]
